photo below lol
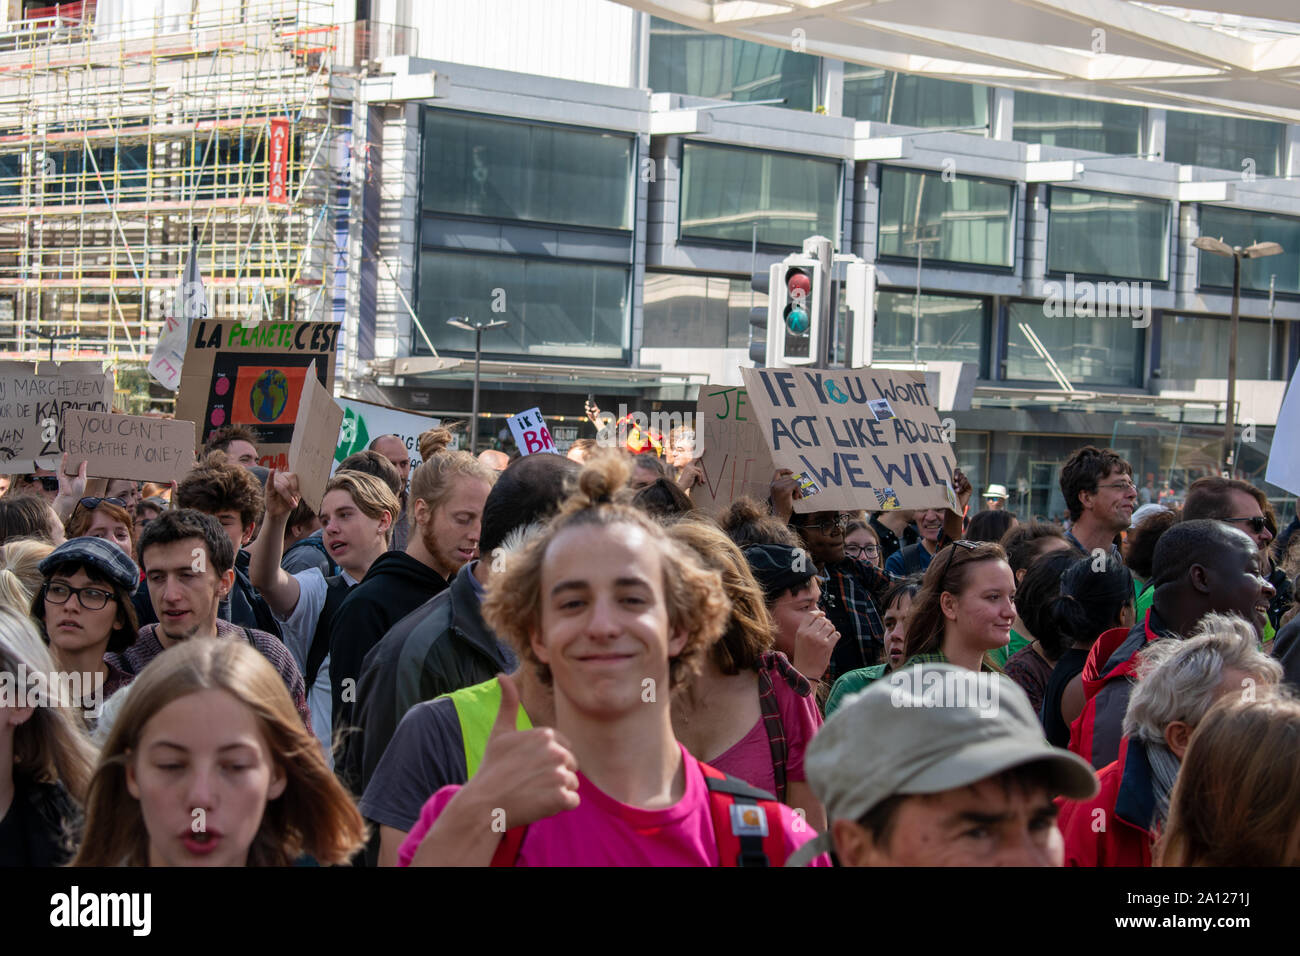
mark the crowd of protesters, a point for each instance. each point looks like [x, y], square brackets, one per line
[564, 660]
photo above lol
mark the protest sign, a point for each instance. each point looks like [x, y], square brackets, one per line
[870, 438]
[530, 432]
[363, 422]
[128, 446]
[254, 376]
[732, 454]
[1284, 458]
[188, 302]
[315, 434]
[33, 403]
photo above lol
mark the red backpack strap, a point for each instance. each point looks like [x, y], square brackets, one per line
[746, 822]
[507, 853]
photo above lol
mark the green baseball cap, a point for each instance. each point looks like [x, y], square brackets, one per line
[927, 729]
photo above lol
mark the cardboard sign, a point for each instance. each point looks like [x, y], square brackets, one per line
[254, 376]
[315, 430]
[531, 434]
[189, 302]
[732, 453]
[128, 446]
[1284, 458]
[363, 422]
[870, 438]
[33, 404]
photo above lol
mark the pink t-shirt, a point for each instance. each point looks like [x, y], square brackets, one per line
[750, 759]
[603, 832]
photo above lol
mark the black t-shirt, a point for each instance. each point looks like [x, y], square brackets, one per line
[1067, 668]
[35, 829]
[426, 753]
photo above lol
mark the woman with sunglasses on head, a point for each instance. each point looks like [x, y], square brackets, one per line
[208, 764]
[107, 518]
[45, 758]
[964, 609]
[85, 609]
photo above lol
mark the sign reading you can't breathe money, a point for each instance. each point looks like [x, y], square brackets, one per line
[870, 438]
[128, 446]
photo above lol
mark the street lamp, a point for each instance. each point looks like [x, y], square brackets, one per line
[478, 327]
[1236, 254]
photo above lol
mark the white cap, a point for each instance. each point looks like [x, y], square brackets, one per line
[996, 491]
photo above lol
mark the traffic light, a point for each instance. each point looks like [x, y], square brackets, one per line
[860, 300]
[798, 316]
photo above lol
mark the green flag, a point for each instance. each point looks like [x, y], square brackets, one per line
[353, 436]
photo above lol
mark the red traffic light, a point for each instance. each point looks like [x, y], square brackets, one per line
[798, 283]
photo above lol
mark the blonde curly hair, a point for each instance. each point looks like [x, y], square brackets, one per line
[696, 601]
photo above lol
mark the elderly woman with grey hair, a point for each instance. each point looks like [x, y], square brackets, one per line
[1178, 683]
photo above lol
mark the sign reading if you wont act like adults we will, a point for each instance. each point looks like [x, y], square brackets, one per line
[869, 439]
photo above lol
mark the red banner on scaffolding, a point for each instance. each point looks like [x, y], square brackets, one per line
[278, 162]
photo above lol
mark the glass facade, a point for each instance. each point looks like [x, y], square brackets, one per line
[1193, 347]
[726, 192]
[685, 310]
[1223, 142]
[1107, 234]
[696, 63]
[1238, 227]
[499, 169]
[968, 220]
[1089, 350]
[1077, 124]
[883, 96]
[556, 308]
[952, 329]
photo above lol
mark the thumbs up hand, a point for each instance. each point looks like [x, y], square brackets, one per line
[530, 774]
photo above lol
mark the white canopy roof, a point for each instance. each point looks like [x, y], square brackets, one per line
[1238, 57]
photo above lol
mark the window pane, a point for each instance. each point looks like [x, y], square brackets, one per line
[952, 329]
[972, 219]
[696, 63]
[480, 167]
[886, 97]
[1077, 124]
[1089, 350]
[1194, 347]
[1107, 234]
[556, 308]
[726, 191]
[696, 311]
[1237, 227]
[1223, 142]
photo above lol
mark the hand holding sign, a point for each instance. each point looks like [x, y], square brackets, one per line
[784, 490]
[282, 495]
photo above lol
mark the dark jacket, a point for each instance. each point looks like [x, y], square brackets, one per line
[890, 542]
[441, 646]
[244, 607]
[395, 585]
[39, 828]
[1286, 648]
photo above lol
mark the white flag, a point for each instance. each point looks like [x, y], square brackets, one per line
[189, 302]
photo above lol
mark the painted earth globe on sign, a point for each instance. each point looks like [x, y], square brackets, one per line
[269, 394]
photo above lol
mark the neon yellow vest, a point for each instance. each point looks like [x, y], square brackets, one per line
[476, 708]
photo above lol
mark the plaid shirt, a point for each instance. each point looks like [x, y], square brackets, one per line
[937, 657]
[850, 590]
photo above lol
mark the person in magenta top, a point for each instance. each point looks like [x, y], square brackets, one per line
[749, 712]
[615, 615]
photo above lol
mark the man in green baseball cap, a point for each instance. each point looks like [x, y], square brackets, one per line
[940, 766]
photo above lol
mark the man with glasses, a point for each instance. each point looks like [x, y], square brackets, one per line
[1100, 495]
[1245, 507]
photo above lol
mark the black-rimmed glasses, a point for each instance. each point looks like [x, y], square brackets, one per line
[1257, 522]
[92, 599]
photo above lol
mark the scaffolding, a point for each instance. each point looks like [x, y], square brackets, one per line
[120, 140]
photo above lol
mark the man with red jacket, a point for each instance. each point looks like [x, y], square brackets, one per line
[1179, 681]
[1198, 567]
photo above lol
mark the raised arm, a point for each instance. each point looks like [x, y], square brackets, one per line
[275, 584]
